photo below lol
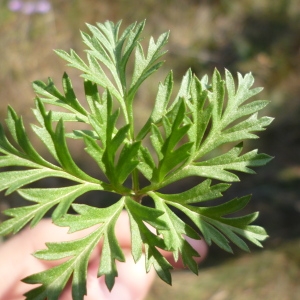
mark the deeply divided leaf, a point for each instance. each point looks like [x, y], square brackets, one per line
[195, 133]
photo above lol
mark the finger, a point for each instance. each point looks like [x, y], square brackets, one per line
[47, 232]
[199, 245]
[133, 282]
[34, 239]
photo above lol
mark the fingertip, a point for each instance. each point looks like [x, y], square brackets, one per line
[200, 246]
[132, 282]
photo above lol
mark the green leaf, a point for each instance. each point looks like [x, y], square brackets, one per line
[184, 90]
[168, 157]
[63, 196]
[160, 264]
[98, 50]
[182, 137]
[145, 65]
[160, 106]
[200, 193]
[111, 251]
[44, 130]
[215, 228]
[92, 95]
[73, 59]
[112, 145]
[173, 237]
[64, 155]
[96, 74]
[98, 119]
[141, 234]
[244, 129]
[79, 252]
[220, 167]
[18, 131]
[201, 115]
[13, 180]
[12, 160]
[70, 97]
[54, 280]
[49, 94]
[157, 141]
[45, 199]
[132, 41]
[147, 164]
[88, 216]
[217, 97]
[95, 151]
[107, 217]
[59, 277]
[139, 214]
[127, 161]
[5, 146]
[232, 112]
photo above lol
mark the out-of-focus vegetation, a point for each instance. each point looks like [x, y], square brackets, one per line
[269, 275]
[247, 35]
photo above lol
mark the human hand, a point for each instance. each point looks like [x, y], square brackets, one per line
[132, 283]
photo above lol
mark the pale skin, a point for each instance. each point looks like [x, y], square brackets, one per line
[16, 262]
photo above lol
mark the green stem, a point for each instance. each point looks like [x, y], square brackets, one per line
[129, 112]
[130, 119]
[135, 181]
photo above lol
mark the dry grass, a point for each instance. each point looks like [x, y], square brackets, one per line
[269, 275]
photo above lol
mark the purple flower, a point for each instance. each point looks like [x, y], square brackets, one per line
[15, 5]
[30, 7]
[42, 6]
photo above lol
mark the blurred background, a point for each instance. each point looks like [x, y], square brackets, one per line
[261, 36]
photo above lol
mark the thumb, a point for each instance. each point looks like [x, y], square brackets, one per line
[132, 282]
